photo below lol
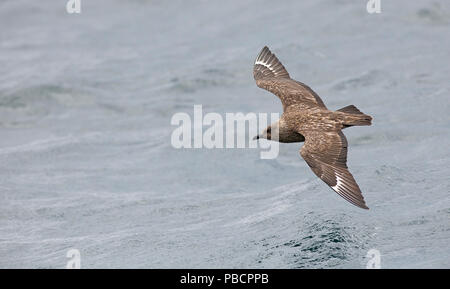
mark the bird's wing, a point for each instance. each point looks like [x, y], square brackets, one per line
[326, 154]
[271, 75]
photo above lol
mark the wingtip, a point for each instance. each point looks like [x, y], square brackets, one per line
[359, 205]
[267, 64]
[264, 51]
[363, 205]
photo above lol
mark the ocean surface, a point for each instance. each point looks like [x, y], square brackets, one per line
[86, 160]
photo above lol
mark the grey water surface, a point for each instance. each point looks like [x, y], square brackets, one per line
[86, 160]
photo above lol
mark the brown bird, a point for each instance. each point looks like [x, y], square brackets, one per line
[306, 118]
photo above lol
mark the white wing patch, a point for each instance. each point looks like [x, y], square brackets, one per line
[268, 65]
[338, 183]
[264, 64]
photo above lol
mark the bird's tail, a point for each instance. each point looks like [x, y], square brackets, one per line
[353, 116]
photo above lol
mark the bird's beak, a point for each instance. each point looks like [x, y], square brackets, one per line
[256, 137]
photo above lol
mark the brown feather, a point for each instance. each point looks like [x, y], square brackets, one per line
[306, 118]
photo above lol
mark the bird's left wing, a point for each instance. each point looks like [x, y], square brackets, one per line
[271, 75]
[326, 154]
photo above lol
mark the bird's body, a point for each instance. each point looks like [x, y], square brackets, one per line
[306, 119]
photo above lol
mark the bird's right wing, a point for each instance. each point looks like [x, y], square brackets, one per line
[326, 154]
[271, 75]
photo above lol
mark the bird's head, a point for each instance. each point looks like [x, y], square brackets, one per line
[270, 133]
[267, 134]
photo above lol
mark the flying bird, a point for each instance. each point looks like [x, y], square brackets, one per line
[306, 119]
